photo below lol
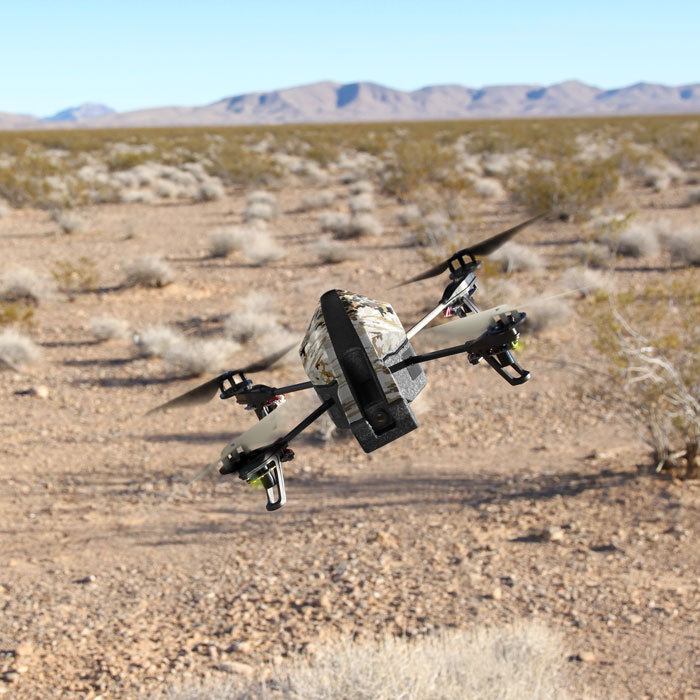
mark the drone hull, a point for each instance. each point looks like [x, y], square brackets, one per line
[347, 351]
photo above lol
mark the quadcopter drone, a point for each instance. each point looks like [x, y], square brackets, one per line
[361, 364]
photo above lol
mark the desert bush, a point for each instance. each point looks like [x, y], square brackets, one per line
[569, 189]
[223, 243]
[136, 196]
[488, 188]
[334, 222]
[685, 246]
[148, 271]
[362, 204]
[691, 200]
[592, 254]
[197, 357]
[363, 225]
[655, 376]
[15, 312]
[524, 660]
[513, 257]
[547, 314]
[17, 350]
[361, 187]
[262, 197]
[408, 215]
[20, 284]
[157, 341]
[330, 251]
[262, 249]
[75, 276]
[637, 242]
[258, 210]
[68, 221]
[210, 191]
[252, 322]
[4, 210]
[108, 327]
[317, 200]
[587, 281]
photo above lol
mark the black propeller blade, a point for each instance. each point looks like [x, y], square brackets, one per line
[205, 392]
[479, 249]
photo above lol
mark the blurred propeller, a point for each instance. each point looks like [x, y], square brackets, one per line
[205, 392]
[470, 327]
[482, 248]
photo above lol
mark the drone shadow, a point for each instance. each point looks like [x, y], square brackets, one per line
[201, 437]
[128, 382]
[316, 495]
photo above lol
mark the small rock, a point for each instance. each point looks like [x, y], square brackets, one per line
[237, 667]
[40, 391]
[10, 676]
[554, 534]
[87, 579]
[24, 650]
[635, 619]
[497, 593]
[587, 656]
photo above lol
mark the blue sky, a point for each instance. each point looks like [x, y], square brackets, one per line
[149, 53]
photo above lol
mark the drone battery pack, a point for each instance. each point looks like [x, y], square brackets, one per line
[347, 352]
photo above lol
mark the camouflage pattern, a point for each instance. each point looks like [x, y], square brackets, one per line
[380, 332]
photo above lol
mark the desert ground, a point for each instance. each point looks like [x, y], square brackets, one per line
[539, 503]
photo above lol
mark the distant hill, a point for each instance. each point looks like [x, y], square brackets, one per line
[364, 101]
[87, 110]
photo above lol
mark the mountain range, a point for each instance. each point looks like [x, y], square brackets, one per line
[365, 101]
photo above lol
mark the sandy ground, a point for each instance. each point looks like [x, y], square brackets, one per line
[116, 580]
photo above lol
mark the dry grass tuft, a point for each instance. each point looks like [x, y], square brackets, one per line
[210, 191]
[17, 350]
[148, 271]
[362, 203]
[335, 222]
[523, 660]
[317, 200]
[513, 257]
[20, 284]
[489, 188]
[109, 327]
[331, 252]
[587, 281]
[364, 225]
[637, 241]
[68, 221]
[685, 246]
[548, 314]
[198, 357]
[408, 215]
[223, 243]
[592, 254]
[157, 341]
[262, 249]
[248, 324]
[691, 200]
[361, 187]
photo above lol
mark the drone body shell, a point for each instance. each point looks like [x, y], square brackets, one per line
[382, 338]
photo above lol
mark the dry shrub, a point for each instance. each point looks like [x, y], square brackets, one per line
[335, 222]
[547, 314]
[488, 188]
[197, 357]
[317, 200]
[408, 215]
[223, 243]
[523, 660]
[15, 312]
[253, 322]
[592, 254]
[685, 246]
[20, 284]
[364, 225]
[148, 271]
[259, 210]
[587, 281]
[210, 191]
[68, 221]
[262, 249]
[513, 257]
[362, 203]
[361, 187]
[75, 276]
[136, 196]
[157, 341]
[4, 210]
[330, 251]
[569, 189]
[262, 197]
[691, 200]
[108, 327]
[637, 241]
[17, 350]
